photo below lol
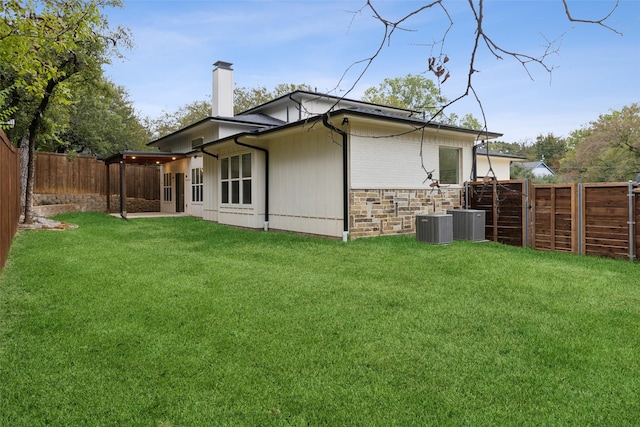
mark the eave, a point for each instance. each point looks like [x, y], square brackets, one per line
[143, 158]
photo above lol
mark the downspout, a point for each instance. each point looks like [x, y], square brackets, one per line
[345, 176]
[299, 107]
[474, 163]
[266, 179]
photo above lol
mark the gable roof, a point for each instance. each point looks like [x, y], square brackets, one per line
[258, 123]
[337, 99]
[360, 112]
[539, 166]
[249, 120]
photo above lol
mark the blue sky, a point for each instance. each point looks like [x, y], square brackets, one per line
[315, 42]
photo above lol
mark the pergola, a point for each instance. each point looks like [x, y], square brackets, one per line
[133, 157]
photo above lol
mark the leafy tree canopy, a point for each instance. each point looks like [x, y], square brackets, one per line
[43, 45]
[417, 93]
[99, 119]
[608, 149]
[243, 99]
[184, 116]
[246, 98]
[413, 92]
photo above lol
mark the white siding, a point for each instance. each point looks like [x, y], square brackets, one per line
[394, 162]
[500, 166]
[305, 184]
[179, 166]
[211, 175]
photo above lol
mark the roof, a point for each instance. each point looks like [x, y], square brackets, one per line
[248, 119]
[253, 118]
[533, 165]
[355, 111]
[482, 151]
[537, 165]
[266, 124]
[372, 112]
[325, 95]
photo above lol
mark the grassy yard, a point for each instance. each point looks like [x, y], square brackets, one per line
[182, 322]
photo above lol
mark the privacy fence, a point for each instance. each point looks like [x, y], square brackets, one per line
[56, 174]
[9, 195]
[589, 219]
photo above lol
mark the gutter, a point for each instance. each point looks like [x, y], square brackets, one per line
[266, 179]
[207, 153]
[345, 177]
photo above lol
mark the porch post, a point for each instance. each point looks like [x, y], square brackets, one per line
[123, 190]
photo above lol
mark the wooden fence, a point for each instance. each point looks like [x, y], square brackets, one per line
[9, 195]
[55, 174]
[505, 204]
[589, 219]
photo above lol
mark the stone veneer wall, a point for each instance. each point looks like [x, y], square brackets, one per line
[54, 204]
[385, 212]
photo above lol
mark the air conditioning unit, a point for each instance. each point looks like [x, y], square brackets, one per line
[437, 229]
[468, 224]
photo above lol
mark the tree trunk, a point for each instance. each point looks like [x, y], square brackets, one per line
[34, 127]
[24, 163]
[28, 200]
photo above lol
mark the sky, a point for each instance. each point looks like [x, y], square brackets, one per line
[322, 43]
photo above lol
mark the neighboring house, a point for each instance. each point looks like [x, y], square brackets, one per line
[314, 163]
[538, 169]
[500, 163]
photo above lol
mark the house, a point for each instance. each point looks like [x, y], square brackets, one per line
[314, 163]
[538, 169]
[498, 162]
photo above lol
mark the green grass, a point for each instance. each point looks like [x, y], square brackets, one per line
[182, 322]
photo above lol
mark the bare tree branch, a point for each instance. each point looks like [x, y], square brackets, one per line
[437, 61]
[592, 21]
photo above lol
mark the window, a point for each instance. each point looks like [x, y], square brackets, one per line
[235, 179]
[197, 142]
[449, 165]
[166, 187]
[197, 187]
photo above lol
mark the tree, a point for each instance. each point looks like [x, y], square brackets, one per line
[43, 45]
[184, 116]
[246, 98]
[413, 92]
[608, 149]
[551, 149]
[420, 94]
[243, 99]
[98, 119]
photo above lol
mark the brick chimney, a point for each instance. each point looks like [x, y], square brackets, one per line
[222, 94]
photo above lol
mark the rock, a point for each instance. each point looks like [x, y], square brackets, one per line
[41, 223]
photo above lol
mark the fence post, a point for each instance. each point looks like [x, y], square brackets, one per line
[631, 223]
[526, 224]
[581, 219]
[495, 210]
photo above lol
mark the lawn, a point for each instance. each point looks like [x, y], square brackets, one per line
[183, 322]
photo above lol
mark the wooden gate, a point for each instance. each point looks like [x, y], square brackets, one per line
[506, 206]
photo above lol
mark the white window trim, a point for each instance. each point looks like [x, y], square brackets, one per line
[240, 179]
